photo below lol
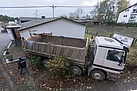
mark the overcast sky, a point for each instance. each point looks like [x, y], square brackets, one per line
[45, 11]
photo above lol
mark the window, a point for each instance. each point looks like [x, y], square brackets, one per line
[115, 55]
[125, 16]
[134, 10]
[132, 17]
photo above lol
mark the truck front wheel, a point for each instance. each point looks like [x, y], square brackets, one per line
[75, 70]
[98, 75]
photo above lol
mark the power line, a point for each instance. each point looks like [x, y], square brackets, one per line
[52, 6]
[46, 6]
[26, 7]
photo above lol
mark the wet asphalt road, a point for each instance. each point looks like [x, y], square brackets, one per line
[119, 85]
[4, 41]
[107, 85]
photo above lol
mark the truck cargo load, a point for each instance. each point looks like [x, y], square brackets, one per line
[49, 46]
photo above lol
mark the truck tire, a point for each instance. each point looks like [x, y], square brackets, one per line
[75, 70]
[45, 63]
[98, 75]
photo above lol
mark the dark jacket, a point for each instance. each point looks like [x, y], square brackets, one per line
[22, 63]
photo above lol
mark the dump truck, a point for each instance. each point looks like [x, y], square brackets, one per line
[102, 58]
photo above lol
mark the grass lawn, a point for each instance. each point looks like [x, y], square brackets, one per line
[108, 30]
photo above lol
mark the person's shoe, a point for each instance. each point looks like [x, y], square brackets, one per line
[22, 78]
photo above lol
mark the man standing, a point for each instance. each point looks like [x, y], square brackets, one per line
[22, 65]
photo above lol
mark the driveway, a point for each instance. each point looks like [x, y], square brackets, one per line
[4, 41]
[106, 85]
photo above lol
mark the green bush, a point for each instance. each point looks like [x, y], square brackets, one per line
[111, 23]
[36, 60]
[127, 24]
[132, 58]
[59, 67]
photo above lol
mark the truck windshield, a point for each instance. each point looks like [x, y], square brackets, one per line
[116, 55]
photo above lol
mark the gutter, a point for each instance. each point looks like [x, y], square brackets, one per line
[7, 48]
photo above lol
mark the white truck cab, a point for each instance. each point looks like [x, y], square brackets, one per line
[109, 58]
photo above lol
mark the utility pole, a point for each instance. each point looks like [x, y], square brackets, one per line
[53, 8]
[36, 13]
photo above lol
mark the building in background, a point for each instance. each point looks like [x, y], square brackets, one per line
[26, 19]
[56, 26]
[128, 15]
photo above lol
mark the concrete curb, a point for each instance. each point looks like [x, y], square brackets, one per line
[7, 47]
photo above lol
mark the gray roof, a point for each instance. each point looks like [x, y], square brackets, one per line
[38, 22]
[27, 18]
[83, 20]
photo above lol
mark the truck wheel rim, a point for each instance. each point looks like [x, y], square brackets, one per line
[75, 71]
[97, 76]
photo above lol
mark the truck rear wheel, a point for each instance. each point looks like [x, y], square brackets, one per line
[46, 63]
[75, 70]
[98, 75]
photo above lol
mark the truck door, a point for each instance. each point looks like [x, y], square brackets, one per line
[114, 60]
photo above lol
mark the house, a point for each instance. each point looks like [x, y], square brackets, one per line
[87, 21]
[128, 15]
[56, 26]
[2, 29]
[26, 19]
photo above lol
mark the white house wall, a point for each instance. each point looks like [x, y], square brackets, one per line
[1, 28]
[122, 19]
[60, 27]
[25, 34]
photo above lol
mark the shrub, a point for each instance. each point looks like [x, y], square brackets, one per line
[127, 24]
[132, 58]
[112, 23]
[59, 67]
[36, 60]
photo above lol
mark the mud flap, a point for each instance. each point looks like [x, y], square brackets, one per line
[90, 69]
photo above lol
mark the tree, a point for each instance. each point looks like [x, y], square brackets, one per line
[103, 11]
[6, 19]
[71, 15]
[94, 12]
[76, 14]
[64, 15]
[122, 4]
[107, 10]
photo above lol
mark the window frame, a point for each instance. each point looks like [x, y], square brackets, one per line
[116, 54]
[125, 16]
